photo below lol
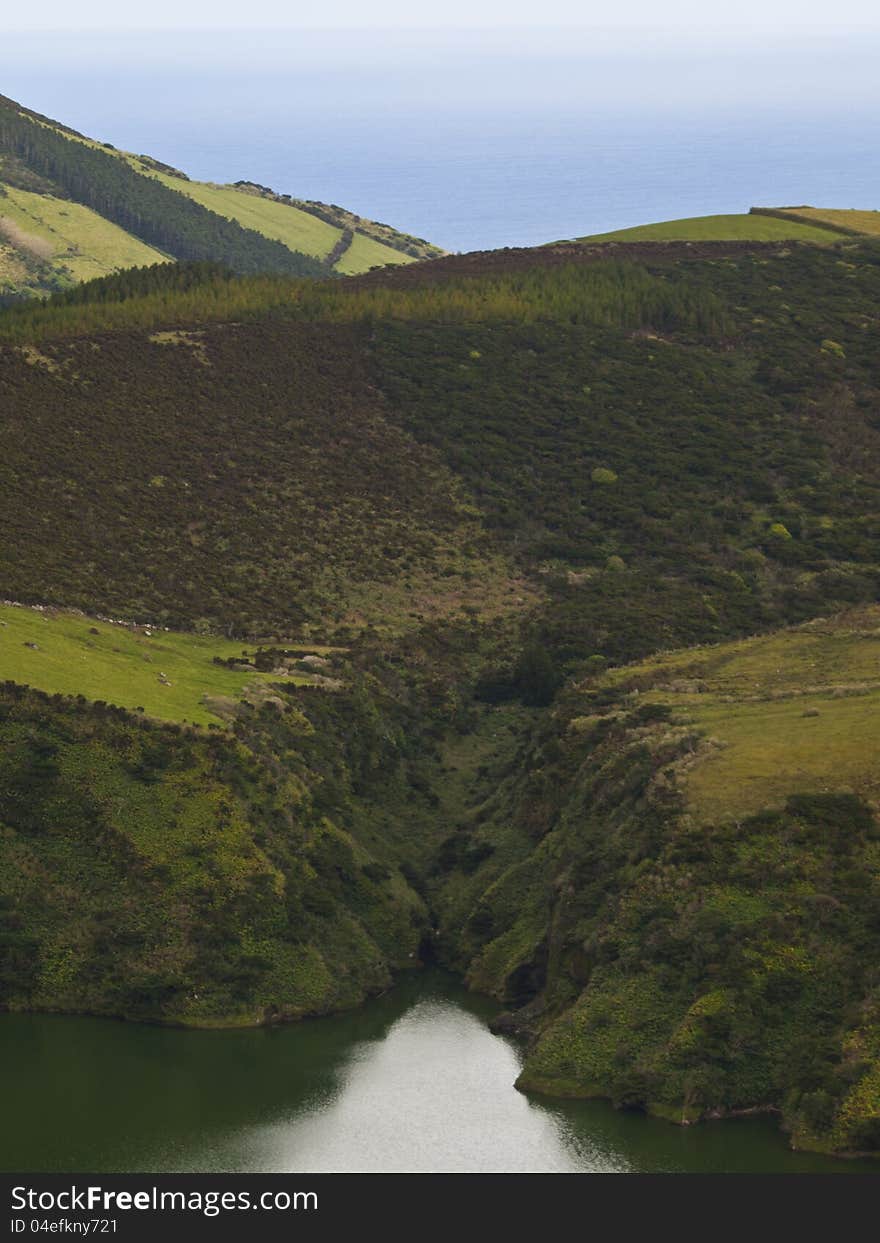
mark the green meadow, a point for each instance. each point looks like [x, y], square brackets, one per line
[297, 229]
[365, 253]
[71, 235]
[718, 229]
[846, 219]
[798, 710]
[76, 655]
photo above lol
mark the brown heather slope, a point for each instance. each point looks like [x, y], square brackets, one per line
[513, 259]
[275, 493]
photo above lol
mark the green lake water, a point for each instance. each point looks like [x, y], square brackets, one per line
[413, 1081]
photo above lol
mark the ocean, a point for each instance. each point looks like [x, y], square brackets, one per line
[477, 139]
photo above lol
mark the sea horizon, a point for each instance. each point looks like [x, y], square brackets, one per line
[474, 140]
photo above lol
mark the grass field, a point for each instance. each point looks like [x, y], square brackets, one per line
[793, 712]
[80, 239]
[365, 253]
[718, 229]
[867, 222]
[76, 655]
[298, 230]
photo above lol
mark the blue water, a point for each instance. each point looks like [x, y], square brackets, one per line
[473, 140]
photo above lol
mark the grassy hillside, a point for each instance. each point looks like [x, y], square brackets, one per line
[298, 230]
[364, 253]
[168, 676]
[796, 710]
[75, 241]
[744, 227]
[72, 208]
[157, 215]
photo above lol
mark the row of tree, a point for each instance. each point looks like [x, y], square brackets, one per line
[612, 294]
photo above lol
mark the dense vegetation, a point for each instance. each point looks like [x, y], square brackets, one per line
[142, 282]
[494, 480]
[246, 479]
[155, 872]
[685, 446]
[610, 293]
[678, 927]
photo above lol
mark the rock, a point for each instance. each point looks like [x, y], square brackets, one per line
[504, 1024]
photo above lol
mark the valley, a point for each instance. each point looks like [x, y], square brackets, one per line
[513, 611]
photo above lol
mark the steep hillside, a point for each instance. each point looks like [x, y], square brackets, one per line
[71, 209]
[156, 872]
[684, 906]
[56, 233]
[346, 242]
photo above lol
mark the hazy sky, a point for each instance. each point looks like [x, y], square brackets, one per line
[225, 14]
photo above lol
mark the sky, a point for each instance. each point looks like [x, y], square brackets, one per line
[685, 16]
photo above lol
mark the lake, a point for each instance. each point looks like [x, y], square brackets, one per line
[413, 1081]
[481, 138]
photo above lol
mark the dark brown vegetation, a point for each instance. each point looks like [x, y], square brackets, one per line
[513, 259]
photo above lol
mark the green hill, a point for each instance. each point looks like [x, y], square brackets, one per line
[593, 532]
[746, 227]
[72, 208]
[350, 243]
